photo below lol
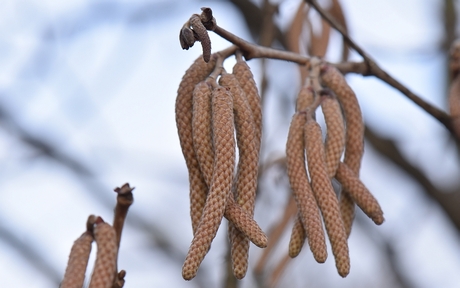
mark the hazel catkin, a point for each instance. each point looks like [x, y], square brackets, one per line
[354, 143]
[202, 129]
[197, 72]
[78, 261]
[298, 236]
[221, 183]
[335, 137]
[306, 203]
[360, 194]
[106, 258]
[245, 184]
[243, 74]
[202, 35]
[325, 196]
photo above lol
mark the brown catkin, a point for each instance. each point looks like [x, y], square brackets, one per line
[244, 76]
[360, 194]
[245, 184]
[335, 139]
[244, 223]
[354, 144]
[305, 97]
[202, 136]
[325, 196]
[197, 72]
[202, 35]
[106, 257]
[202, 129]
[298, 236]
[221, 183]
[78, 261]
[306, 203]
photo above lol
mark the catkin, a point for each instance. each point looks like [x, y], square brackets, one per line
[202, 137]
[106, 258]
[221, 183]
[202, 129]
[78, 261]
[243, 74]
[306, 203]
[244, 223]
[335, 139]
[245, 184]
[197, 72]
[325, 196]
[360, 194]
[354, 144]
[202, 35]
[305, 97]
[298, 236]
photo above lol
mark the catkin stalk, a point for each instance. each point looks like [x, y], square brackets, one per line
[221, 183]
[197, 72]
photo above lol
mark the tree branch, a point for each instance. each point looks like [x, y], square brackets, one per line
[448, 200]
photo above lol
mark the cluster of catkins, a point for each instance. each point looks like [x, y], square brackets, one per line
[312, 165]
[105, 269]
[208, 116]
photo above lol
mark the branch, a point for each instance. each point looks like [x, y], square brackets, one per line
[448, 200]
[370, 67]
[250, 51]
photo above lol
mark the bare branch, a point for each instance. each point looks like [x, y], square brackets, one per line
[370, 67]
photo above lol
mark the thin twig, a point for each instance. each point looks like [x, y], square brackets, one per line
[252, 51]
[370, 67]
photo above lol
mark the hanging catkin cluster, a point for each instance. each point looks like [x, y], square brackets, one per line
[312, 165]
[208, 116]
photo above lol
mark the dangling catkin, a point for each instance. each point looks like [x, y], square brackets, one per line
[245, 184]
[202, 129]
[298, 236]
[197, 72]
[244, 76]
[244, 223]
[305, 97]
[335, 139]
[221, 183]
[306, 203]
[354, 146]
[325, 196]
[106, 258]
[202, 140]
[78, 261]
[359, 193]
